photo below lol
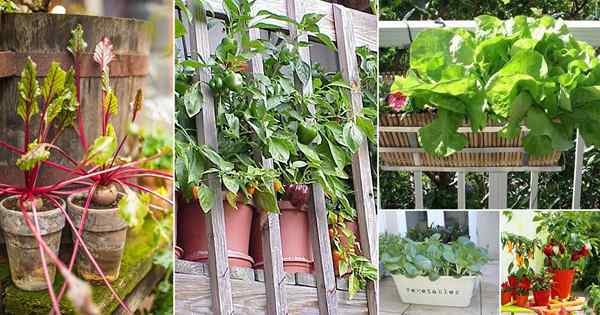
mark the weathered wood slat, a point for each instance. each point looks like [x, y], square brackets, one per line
[215, 220]
[274, 275]
[365, 25]
[534, 189]
[317, 213]
[193, 297]
[142, 290]
[361, 165]
[578, 170]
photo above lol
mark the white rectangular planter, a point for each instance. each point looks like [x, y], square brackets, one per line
[446, 291]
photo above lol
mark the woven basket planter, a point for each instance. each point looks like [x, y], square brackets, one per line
[484, 149]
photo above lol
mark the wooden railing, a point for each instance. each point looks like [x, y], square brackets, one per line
[350, 29]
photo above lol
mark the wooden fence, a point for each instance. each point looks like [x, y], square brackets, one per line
[400, 34]
[350, 29]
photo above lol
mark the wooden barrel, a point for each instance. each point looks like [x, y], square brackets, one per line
[44, 38]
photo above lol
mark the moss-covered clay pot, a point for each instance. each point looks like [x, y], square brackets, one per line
[104, 234]
[26, 269]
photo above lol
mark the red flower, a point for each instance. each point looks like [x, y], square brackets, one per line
[524, 283]
[548, 250]
[397, 100]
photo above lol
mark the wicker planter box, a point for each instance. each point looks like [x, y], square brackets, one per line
[484, 149]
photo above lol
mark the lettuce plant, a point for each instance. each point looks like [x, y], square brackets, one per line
[522, 71]
[434, 259]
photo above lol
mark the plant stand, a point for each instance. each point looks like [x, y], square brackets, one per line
[139, 276]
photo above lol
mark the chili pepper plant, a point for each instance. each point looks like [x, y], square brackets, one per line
[99, 174]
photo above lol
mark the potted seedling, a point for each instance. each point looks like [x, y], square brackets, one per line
[434, 273]
[522, 293]
[541, 284]
[565, 249]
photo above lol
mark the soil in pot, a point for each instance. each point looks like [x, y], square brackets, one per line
[563, 282]
[26, 268]
[194, 237]
[521, 300]
[541, 298]
[104, 234]
[506, 297]
[295, 239]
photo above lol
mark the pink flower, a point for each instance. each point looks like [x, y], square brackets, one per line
[397, 100]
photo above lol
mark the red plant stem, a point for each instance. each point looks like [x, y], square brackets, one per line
[90, 256]
[55, 304]
[118, 150]
[142, 188]
[167, 177]
[88, 200]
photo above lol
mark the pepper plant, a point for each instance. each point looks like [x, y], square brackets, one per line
[522, 71]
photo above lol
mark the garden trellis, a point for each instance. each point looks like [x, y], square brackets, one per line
[350, 29]
[401, 34]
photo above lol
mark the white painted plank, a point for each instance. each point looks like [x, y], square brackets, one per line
[498, 190]
[436, 218]
[461, 189]
[577, 174]
[418, 180]
[472, 169]
[395, 33]
[473, 226]
[534, 189]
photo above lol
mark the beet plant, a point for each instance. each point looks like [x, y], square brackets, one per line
[105, 182]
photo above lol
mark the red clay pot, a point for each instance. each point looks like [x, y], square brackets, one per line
[193, 235]
[295, 239]
[506, 297]
[563, 282]
[521, 300]
[541, 298]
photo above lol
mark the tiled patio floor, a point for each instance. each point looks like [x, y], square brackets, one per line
[484, 302]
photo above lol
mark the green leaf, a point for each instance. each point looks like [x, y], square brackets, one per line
[29, 91]
[231, 184]
[278, 148]
[192, 100]
[76, 43]
[36, 152]
[353, 136]
[110, 102]
[266, 200]
[441, 137]
[53, 83]
[134, 207]
[309, 152]
[325, 40]
[103, 148]
[303, 72]
[206, 198]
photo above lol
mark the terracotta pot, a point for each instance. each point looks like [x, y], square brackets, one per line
[521, 300]
[295, 239]
[104, 234]
[194, 237]
[563, 282]
[541, 298]
[23, 252]
[506, 297]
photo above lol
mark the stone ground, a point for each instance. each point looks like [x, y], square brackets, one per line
[485, 300]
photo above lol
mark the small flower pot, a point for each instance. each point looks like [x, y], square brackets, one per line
[445, 291]
[295, 239]
[194, 237]
[506, 297]
[104, 234]
[541, 298]
[563, 282]
[26, 268]
[521, 300]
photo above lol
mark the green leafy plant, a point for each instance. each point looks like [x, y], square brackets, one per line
[541, 281]
[593, 299]
[523, 249]
[515, 72]
[567, 245]
[422, 231]
[433, 259]
[153, 143]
